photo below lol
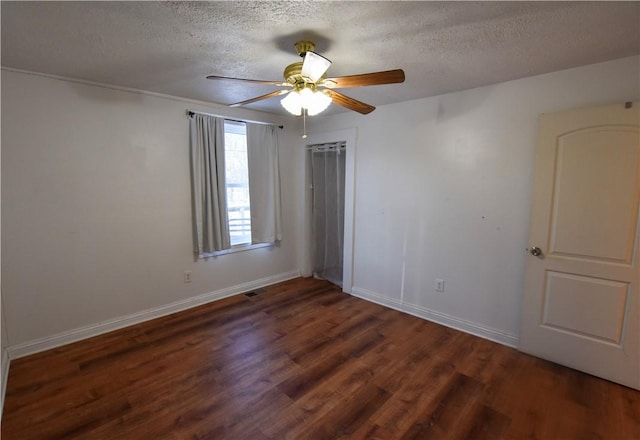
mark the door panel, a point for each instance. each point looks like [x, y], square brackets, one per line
[585, 306]
[596, 175]
[581, 297]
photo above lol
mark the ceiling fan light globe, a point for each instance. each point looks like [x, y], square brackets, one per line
[292, 103]
[317, 103]
[306, 97]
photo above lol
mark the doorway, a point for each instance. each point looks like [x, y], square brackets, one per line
[348, 138]
[327, 207]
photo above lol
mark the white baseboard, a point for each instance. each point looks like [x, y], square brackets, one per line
[473, 328]
[46, 343]
[5, 375]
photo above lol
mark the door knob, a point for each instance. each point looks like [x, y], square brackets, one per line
[535, 251]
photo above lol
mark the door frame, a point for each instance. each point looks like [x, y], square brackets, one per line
[349, 137]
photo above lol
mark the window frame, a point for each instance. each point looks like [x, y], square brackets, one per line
[237, 128]
[241, 247]
[235, 249]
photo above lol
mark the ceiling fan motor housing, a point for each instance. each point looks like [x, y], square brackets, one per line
[293, 75]
[304, 46]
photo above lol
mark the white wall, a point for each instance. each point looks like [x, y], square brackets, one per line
[96, 211]
[443, 187]
[96, 202]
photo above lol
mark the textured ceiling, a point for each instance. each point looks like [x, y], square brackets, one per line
[169, 47]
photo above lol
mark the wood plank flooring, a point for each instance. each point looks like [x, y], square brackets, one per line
[302, 360]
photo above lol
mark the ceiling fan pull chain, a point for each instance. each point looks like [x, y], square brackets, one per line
[304, 123]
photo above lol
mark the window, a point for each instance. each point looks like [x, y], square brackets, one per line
[223, 154]
[237, 182]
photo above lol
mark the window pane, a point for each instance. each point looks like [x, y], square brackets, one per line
[237, 183]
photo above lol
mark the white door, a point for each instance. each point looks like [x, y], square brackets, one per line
[581, 305]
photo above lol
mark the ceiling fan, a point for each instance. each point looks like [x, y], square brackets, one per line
[309, 91]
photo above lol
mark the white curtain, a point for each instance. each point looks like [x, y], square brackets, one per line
[264, 183]
[208, 191]
[328, 169]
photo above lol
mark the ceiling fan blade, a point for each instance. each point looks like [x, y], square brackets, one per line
[366, 79]
[350, 103]
[260, 98]
[314, 66]
[255, 81]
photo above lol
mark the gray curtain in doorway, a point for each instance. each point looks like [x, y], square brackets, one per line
[328, 168]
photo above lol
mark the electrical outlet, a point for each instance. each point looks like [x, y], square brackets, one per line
[439, 285]
[187, 276]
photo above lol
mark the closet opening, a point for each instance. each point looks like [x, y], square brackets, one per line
[328, 161]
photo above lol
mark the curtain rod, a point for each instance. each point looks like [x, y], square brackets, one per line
[342, 145]
[190, 113]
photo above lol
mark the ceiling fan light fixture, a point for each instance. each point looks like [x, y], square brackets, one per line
[292, 103]
[313, 101]
[314, 66]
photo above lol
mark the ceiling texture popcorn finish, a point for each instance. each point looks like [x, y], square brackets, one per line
[171, 47]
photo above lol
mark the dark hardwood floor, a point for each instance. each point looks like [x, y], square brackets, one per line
[304, 361]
